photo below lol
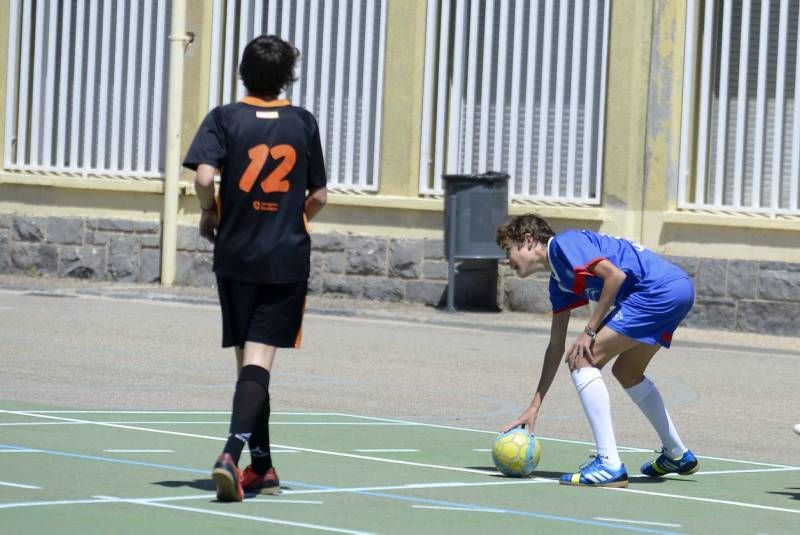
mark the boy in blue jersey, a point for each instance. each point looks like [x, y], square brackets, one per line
[641, 299]
[269, 157]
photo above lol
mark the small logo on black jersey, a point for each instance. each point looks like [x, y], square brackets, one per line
[267, 114]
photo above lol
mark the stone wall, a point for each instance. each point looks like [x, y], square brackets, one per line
[752, 296]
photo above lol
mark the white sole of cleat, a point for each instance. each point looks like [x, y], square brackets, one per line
[615, 484]
[226, 486]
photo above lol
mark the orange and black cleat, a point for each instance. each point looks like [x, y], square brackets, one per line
[267, 483]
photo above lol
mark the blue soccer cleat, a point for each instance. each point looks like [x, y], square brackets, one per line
[663, 465]
[595, 474]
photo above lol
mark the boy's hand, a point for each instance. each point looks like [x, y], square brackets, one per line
[581, 349]
[526, 419]
[208, 224]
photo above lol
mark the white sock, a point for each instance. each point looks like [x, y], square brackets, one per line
[646, 396]
[597, 406]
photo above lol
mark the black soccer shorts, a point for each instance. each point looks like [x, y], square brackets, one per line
[270, 314]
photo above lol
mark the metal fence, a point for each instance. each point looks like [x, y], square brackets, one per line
[86, 87]
[340, 72]
[740, 147]
[516, 86]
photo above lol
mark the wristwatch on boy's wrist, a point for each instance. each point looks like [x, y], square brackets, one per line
[591, 332]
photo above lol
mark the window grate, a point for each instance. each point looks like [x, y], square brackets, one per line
[518, 87]
[340, 72]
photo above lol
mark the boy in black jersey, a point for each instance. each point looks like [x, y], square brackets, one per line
[272, 181]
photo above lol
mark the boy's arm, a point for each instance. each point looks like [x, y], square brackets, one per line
[552, 357]
[315, 201]
[204, 186]
[613, 278]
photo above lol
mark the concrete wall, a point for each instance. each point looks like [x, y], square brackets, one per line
[640, 171]
[760, 297]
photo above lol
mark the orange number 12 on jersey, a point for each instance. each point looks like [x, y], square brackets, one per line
[275, 180]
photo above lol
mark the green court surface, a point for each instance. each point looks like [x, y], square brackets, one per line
[149, 472]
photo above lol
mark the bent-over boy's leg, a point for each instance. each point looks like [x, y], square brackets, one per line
[596, 404]
[629, 370]
[593, 392]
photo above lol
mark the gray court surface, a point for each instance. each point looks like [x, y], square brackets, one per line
[95, 345]
[114, 401]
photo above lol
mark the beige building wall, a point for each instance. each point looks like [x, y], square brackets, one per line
[641, 146]
[664, 226]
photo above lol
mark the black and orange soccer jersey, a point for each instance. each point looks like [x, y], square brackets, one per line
[269, 156]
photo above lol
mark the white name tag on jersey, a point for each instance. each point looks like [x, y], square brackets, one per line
[267, 114]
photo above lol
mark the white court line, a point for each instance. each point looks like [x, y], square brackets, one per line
[306, 525]
[380, 459]
[481, 449]
[301, 502]
[140, 451]
[705, 500]
[37, 424]
[194, 422]
[744, 462]
[44, 414]
[28, 450]
[413, 486]
[34, 411]
[625, 448]
[424, 465]
[344, 423]
[38, 413]
[388, 450]
[18, 485]
[646, 523]
[48, 503]
[279, 446]
[468, 509]
[755, 471]
[108, 499]
[116, 426]
[212, 497]
[622, 449]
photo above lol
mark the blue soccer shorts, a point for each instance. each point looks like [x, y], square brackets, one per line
[652, 315]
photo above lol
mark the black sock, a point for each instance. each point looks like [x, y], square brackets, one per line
[259, 442]
[248, 400]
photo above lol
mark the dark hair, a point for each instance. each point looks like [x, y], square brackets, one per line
[513, 231]
[267, 65]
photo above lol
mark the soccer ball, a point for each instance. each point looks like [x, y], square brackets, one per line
[516, 453]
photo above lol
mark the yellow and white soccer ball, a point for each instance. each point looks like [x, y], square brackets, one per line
[516, 453]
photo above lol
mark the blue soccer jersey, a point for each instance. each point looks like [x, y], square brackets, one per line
[655, 297]
[573, 253]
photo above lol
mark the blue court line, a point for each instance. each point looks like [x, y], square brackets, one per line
[105, 459]
[429, 501]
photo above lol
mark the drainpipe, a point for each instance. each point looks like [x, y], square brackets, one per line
[178, 40]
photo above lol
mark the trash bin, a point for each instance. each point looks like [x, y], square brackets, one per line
[475, 205]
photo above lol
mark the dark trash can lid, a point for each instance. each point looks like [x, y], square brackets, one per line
[489, 176]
